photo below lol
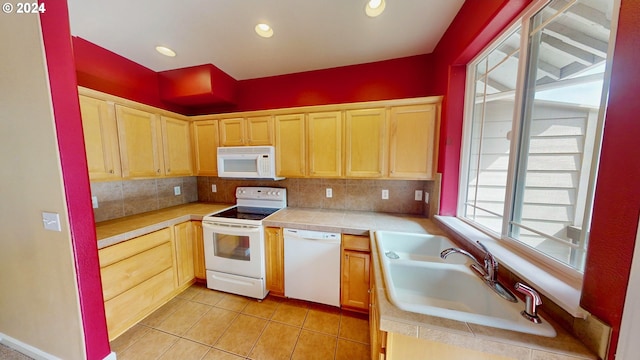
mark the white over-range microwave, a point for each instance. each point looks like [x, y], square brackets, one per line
[247, 162]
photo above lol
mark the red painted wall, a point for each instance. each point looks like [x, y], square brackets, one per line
[103, 70]
[64, 94]
[617, 198]
[197, 85]
[391, 79]
[100, 69]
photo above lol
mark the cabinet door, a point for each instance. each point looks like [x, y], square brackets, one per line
[290, 145]
[100, 138]
[176, 140]
[232, 132]
[377, 338]
[198, 251]
[137, 276]
[325, 144]
[366, 143]
[140, 143]
[259, 130]
[205, 147]
[355, 280]
[183, 235]
[413, 145]
[274, 260]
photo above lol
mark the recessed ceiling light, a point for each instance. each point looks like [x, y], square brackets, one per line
[165, 51]
[374, 7]
[264, 30]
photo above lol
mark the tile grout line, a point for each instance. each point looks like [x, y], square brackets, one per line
[278, 304]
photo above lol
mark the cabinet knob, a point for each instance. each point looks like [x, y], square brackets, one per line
[111, 171]
[158, 171]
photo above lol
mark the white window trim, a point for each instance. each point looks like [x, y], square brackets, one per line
[558, 282]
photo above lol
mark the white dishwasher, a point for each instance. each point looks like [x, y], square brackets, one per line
[312, 266]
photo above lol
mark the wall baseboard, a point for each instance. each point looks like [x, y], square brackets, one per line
[26, 349]
[111, 356]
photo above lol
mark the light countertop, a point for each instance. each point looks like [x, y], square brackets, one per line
[511, 344]
[350, 222]
[482, 338]
[117, 230]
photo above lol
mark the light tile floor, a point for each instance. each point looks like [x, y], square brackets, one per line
[204, 324]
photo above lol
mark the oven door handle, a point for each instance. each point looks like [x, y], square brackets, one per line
[227, 227]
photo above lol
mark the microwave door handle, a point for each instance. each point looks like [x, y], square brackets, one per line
[259, 165]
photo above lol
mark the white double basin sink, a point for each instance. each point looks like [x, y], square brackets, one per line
[418, 280]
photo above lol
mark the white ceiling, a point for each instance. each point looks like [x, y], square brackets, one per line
[308, 35]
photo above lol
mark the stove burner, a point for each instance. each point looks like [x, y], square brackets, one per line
[246, 213]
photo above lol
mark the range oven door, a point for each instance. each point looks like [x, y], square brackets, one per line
[234, 248]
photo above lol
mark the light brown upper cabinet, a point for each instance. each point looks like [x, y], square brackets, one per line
[176, 140]
[366, 143]
[257, 130]
[290, 145]
[205, 147]
[413, 143]
[101, 138]
[140, 139]
[325, 136]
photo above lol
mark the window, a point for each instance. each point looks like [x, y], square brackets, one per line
[533, 120]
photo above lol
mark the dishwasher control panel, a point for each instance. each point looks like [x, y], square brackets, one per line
[310, 234]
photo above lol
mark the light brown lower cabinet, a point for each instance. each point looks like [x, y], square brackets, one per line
[274, 260]
[184, 248]
[137, 277]
[142, 274]
[401, 347]
[198, 252]
[377, 338]
[354, 284]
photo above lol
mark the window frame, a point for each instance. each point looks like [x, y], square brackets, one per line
[523, 23]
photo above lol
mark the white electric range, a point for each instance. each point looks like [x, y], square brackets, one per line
[234, 241]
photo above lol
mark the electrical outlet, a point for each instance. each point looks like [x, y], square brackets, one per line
[418, 195]
[329, 192]
[94, 202]
[385, 194]
[426, 197]
[214, 188]
[176, 190]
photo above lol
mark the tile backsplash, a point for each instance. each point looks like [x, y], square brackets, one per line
[117, 199]
[347, 194]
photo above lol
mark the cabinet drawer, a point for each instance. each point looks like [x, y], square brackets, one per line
[131, 306]
[115, 253]
[125, 274]
[355, 242]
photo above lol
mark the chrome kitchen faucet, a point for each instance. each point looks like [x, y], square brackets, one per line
[488, 272]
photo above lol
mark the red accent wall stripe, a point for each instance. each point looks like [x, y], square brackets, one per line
[617, 198]
[66, 108]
